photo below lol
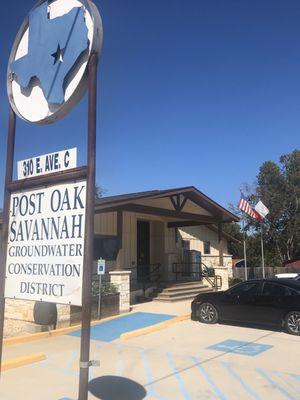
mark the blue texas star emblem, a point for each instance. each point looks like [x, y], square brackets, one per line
[54, 45]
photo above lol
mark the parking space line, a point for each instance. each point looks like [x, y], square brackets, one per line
[274, 384]
[241, 381]
[283, 377]
[183, 390]
[208, 379]
[48, 364]
[68, 365]
[150, 387]
[119, 362]
[295, 376]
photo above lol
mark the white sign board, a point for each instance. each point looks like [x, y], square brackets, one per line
[101, 267]
[47, 163]
[46, 244]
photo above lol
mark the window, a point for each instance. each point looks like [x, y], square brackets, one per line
[185, 244]
[206, 247]
[272, 289]
[105, 247]
[249, 288]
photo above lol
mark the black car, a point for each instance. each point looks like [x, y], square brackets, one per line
[260, 301]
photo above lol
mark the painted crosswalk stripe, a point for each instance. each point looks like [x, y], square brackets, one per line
[274, 384]
[241, 381]
[183, 390]
[208, 379]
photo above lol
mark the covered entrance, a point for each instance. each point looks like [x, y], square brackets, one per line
[160, 234]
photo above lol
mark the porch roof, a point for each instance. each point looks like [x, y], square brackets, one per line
[183, 206]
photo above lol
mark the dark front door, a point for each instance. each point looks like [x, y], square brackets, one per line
[143, 250]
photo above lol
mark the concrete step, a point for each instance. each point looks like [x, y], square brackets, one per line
[175, 298]
[181, 284]
[194, 292]
[180, 292]
[185, 287]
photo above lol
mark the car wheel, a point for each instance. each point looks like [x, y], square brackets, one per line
[292, 323]
[208, 314]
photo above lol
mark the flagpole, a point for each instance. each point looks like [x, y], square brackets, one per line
[262, 249]
[245, 252]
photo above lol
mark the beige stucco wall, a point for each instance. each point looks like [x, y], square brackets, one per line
[197, 235]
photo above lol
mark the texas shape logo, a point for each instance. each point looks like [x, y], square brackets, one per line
[54, 46]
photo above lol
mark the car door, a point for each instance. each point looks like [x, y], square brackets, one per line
[238, 303]
[272, 303]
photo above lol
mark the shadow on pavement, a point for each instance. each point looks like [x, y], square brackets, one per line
[116, 388]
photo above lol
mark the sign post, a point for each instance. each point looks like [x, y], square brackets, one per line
[50, 209]
[89, 232]
[8, 179]
[245, 251]
[100, 271]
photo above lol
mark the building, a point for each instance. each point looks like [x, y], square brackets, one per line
[151, 239]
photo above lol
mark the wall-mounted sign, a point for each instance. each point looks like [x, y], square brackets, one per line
[47, 163]
[46, 244]
[47, 71]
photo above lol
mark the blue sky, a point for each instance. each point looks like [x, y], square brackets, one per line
[191, 92]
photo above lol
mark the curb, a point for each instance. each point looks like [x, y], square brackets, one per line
[53, 333]
[21, 361]
[154, 328]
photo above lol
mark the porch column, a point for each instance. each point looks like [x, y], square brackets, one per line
[220, 244]
[119, 266]
[122, 280]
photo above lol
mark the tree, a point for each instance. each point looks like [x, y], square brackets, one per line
[98, 191]
[278, 187]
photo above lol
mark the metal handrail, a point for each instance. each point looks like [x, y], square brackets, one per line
[215, 280]
[144, 281]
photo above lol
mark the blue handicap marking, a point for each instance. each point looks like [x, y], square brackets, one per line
[111, 330]
[65, 398]
[297, 377]
[240, 347]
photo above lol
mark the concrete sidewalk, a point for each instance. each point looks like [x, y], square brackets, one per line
[160, 307]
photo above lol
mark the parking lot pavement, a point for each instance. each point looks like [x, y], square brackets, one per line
[186, 361]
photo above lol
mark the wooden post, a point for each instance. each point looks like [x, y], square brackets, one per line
[89, 231]
[221, 244]
[6, 205]
[118, 266]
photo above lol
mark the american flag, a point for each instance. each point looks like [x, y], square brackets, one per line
[246, 208]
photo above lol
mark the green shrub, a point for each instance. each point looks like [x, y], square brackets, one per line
[107, 288]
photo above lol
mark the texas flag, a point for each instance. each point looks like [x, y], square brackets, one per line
[262, 210]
